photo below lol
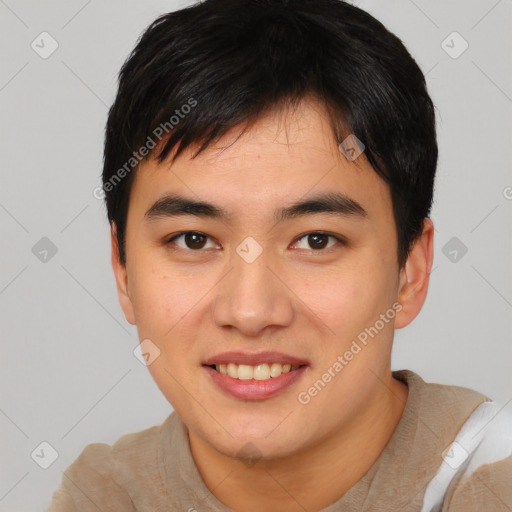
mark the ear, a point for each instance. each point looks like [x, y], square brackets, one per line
[121, 278]
[415, 276]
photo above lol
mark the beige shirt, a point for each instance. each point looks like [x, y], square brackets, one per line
[153, 470]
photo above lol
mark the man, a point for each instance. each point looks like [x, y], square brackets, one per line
[269, 168]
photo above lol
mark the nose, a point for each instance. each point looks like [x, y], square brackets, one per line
[252, 297]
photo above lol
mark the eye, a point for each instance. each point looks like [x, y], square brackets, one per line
[193, 240]
[318, 240]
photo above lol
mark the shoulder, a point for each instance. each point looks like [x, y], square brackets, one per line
[488, 488]
[132, 449]
[103, 476]
[89, 483]
[433, 393]
[486, 478]
[441, 408]
[476, 470]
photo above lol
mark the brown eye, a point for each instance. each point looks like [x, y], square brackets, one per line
[317, 241]
[193, 240]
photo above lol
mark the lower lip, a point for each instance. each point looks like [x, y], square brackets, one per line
[255, 389]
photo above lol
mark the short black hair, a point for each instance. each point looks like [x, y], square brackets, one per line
[197, 72]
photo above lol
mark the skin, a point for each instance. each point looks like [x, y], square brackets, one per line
[293, 298]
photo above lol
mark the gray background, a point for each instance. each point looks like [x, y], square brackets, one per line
[68, 373]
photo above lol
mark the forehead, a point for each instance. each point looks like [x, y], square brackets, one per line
[284, 156]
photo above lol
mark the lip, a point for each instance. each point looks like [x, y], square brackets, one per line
[255, 389]
[253, 359]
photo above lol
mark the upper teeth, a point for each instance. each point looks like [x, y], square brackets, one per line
[260, 372]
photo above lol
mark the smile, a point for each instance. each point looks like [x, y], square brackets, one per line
[262, 371]
[254, 376]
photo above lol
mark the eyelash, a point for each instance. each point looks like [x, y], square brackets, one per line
[342, 242]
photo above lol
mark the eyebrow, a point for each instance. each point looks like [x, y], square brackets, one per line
[172, 205]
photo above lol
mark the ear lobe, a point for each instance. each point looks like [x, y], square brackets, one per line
[121, 276]
[415, 276]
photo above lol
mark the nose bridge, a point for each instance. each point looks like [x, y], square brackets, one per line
[251, 297]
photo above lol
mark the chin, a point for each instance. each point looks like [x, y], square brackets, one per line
[266, 443]
[249, 451]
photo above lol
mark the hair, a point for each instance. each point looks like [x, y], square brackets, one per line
[199, 71]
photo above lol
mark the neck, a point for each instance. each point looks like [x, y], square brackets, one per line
[311, 479]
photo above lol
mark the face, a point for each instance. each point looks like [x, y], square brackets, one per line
[255, 286]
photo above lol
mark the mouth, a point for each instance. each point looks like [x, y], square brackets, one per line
[254, 376]
[263, 371]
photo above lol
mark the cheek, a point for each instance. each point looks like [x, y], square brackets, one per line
[166, 304]
[340, 296]
[157, 302]
[351, 297]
